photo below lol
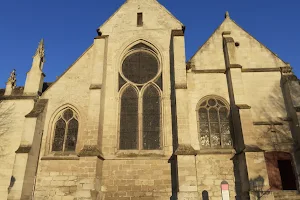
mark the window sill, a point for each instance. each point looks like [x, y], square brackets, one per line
[140, 153]
[61, 156]
[216, 151]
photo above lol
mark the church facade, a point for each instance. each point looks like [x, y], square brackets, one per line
[130, 119]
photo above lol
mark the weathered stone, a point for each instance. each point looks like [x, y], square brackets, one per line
[192, 157]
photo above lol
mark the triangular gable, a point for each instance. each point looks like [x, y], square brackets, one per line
[83, 55]
[126, 15]
[250, 54]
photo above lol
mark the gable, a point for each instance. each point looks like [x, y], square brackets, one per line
[74, 81]
[249, 54]
[155, 16]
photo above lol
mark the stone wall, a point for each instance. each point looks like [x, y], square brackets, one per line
[199, 86]
[71, 89]
[10, 138]
[66, 179]
[211, 171]
[268, 104]
[136, 179]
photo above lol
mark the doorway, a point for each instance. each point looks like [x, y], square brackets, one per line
[288, 180]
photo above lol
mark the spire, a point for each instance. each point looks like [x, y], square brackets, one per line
[35, 76]
[40, 51]
[12, 80]
[227, 15]
[11, 83]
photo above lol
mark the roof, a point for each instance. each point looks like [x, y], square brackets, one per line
[18, 91]
[38, 108]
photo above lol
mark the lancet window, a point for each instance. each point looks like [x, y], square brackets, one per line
[65, 131]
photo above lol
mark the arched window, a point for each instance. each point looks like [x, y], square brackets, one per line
[214, 124]
[129, 119]
[140, 100]
[151, 118]
[65, 131]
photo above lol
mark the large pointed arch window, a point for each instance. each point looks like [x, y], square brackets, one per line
[151, 118]
[140, 85]
[214, 124]
[65, 131]
[129, 119]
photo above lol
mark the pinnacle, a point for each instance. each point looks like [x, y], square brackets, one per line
[227, 15]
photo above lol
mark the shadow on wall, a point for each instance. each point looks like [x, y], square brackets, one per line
[173, 159]
[257, 187]
[273, 113]
[5, 123]
[11, 184]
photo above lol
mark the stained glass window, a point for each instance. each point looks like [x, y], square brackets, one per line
[214, 124]
[65, 131]
[151, 118]
[129, 119]
[140, 102]
[140, 67]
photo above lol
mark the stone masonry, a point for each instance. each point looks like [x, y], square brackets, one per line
[195, 160]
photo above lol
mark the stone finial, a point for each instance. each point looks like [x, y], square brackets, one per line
[11, 83]
[227, 15]
[12, 80]
[40, 51]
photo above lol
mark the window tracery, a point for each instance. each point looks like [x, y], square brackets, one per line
[65, 131]
[214, 124]
[140, 105]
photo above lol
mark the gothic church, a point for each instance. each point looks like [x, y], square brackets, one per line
[130, 119]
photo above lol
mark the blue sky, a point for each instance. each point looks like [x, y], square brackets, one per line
[69, 26]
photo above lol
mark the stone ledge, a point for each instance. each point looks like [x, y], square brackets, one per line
[243, 106]
[258, 123]
[60, 158]
[140, 153]
[23, 149]
[226, 33]
[95, 86]
[287, 119]
[138, 157]
[181, 86]
[251, 148]
[276, 69]
[216, 151]
[18, 97]
[101, 37]
[185, 149]
[201, 71]
[228, 39]
[89, 151]
[235, 66]
[177, 33]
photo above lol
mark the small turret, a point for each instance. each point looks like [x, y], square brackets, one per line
[35, 76]
[11, 83]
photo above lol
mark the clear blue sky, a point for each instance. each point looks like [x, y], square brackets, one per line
[68, 27]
